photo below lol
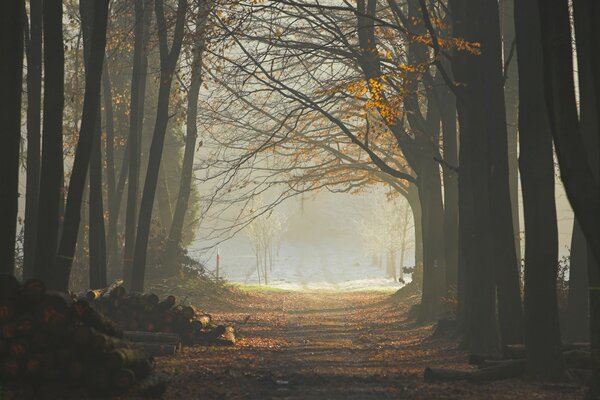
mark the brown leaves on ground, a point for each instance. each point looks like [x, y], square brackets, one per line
[331, 345]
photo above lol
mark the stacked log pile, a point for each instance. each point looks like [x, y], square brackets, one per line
[511, 363]
[158, 326]
[50, 339]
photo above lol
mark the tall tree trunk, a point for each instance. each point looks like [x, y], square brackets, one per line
[51, 178]
[97, 238]
[90, 118]
[11, 78]
[412, 196]
[110, 133]
[187, 167]
[450, 140]
[589, 77]
[510, 314]
[481, 330]
[544, 353]
[511, 98]
[577, 324]
[34, 102]
[133, 141]
[168, 61]
[113, 216]
[434, 279]
[577, 168]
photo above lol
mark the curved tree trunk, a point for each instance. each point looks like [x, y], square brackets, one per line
[544, 354]
[168, 63]
[187, 168]
[89, 120]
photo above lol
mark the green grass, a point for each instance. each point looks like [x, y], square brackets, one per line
[256, 288]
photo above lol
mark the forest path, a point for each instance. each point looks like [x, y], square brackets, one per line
[331, 345]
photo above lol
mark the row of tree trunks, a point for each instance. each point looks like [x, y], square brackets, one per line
[187, 168]
[168, 61]
[487, 235]
[89, 121]
[135, 129]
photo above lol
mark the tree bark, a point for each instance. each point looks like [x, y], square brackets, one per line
[51, 178]
[576, 167]
[577, 323]
[481, 329]
[511, 99]
[34, 101]
[187, 167]
[133, 141]
[536, 162]
[168, 61]
[506, 265]
[97, 238]
[450, 140]
[90, 117]
[11, 78]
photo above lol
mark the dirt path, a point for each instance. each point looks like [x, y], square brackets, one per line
[325, 345]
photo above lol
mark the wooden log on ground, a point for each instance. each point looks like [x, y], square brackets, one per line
[159, 337]
[136, 360]
[10, 368]
[54, 313]
[506, 370]
[153, 387]
[8, 308]
[123, 379]
[227, 338]
[32, 292]
[478, 359]
[99, 322]
[578, 359]
[519, 351]
[9, 286]
[157, 349]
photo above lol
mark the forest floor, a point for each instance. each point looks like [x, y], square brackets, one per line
[330, 345]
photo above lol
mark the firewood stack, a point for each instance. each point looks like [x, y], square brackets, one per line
[49, 339]
[159, 326]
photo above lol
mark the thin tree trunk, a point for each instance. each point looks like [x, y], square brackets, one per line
[133, 141]
[187, 168]
[511, 98]
[510, 314]
[434, 280]
[97, 238]
[11, 78]
[168, 63]
[90, 117]
[34, 101]
[51, 178]
[450, 139]
[110, 132]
